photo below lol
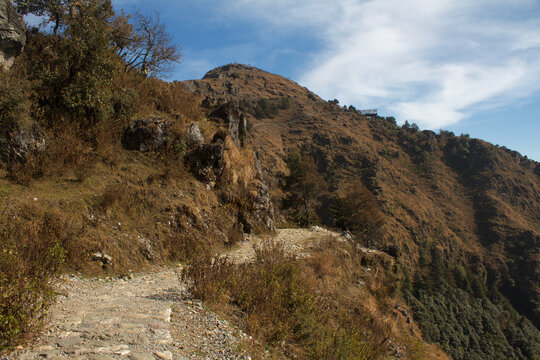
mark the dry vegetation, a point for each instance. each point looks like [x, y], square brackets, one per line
[476, 202]
[338, 303]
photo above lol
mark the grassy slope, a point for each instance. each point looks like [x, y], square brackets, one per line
[478, 204]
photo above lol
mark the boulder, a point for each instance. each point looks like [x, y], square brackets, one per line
[194, 134]
[322, 139]
[146, 134]
[17, 144]
[321, 157]
[12, 33]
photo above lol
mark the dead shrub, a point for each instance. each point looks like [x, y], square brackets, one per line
[186, 245]
[157, 96]
[211, 278]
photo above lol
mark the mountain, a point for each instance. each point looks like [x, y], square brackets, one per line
[463, 214]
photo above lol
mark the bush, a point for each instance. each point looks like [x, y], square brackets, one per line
[74, 70]
[30, 256]
[66, 153]
[455, 309]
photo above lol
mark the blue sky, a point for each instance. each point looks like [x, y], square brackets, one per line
[469, 66]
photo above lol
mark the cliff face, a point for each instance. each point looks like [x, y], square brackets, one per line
[12, 33]
[477, 204]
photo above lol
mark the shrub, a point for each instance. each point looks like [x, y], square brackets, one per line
[30, 256]
[265, 108]
[15, 104]
[65, 153]
[74, 70]
[455, 309]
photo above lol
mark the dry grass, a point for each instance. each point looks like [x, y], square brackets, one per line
[154, 96]
[287, 303]
[337, 303]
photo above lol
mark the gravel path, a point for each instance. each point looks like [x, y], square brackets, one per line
[146, 317]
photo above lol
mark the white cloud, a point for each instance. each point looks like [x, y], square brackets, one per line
[432, 62]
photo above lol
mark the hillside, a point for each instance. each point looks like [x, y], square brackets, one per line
[474, 205]
[106, 171]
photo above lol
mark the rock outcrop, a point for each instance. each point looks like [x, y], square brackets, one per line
[260, 216]
[146, 134]
[194, 134]
[229, 114]
[12, 33]
[17, 144]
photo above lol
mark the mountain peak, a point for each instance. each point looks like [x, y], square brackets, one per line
[241, 81]
[230, 70]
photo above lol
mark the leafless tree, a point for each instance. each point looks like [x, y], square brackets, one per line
[150, 48]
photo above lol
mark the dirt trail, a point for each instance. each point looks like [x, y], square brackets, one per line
[298, 241]
[146, 316]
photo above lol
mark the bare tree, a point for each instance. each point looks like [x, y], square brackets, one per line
[150, 48]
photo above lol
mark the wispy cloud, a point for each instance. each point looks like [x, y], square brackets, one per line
[432, 62]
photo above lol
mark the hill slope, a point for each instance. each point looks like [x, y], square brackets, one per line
[471, 204]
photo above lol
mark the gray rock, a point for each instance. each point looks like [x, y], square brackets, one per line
[101, 357]
[16, 144]
[194, 134]
[146, 249]
[70, 341]
[321, 157]
[12, 33]
[49, 354]
[147, 134]
[236, 122]
[260, 216]
[142, 356]
[322, 139]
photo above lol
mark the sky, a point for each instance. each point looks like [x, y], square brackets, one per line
[468, 66]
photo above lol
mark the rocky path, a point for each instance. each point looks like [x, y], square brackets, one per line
[297, 241]
[147, 316]
[144, 317]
